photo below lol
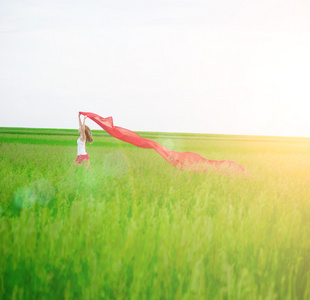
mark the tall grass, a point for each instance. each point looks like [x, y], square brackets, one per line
[134, 227]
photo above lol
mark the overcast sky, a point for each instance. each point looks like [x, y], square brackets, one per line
[220, 66]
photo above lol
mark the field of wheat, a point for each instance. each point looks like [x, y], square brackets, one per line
[131, 226]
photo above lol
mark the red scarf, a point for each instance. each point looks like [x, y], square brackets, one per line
[182, 160]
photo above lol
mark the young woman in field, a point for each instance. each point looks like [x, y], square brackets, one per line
[85, 136]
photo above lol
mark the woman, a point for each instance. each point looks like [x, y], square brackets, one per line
[85, 136]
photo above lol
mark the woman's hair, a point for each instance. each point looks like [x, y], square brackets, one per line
[88, 135]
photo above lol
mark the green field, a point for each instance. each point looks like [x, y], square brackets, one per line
[134, 227]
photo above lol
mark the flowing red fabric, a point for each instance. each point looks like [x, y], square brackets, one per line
[182, 160]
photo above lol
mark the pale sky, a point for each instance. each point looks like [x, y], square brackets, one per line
[220, 66]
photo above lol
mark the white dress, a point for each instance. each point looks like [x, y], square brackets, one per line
[81, 147]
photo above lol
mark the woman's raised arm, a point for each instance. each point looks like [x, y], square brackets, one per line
[83, 129]
[80, 123]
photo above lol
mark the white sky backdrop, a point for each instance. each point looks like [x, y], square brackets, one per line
[220, 66]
